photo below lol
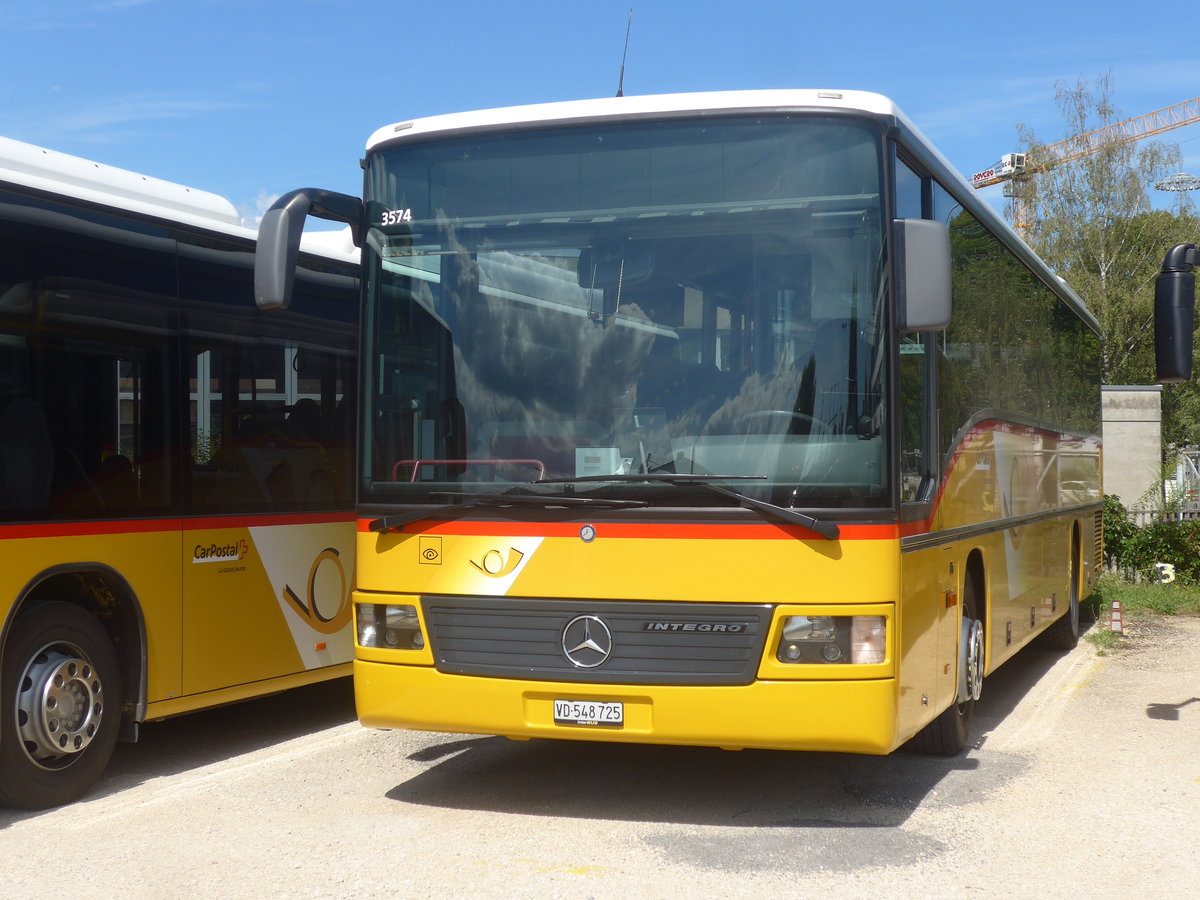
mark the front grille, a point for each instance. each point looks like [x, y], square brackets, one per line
[652, 642]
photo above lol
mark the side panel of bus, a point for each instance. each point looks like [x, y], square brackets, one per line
[174, 477]
[231, 636]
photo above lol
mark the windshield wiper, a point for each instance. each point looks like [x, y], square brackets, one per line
[472, 501]
[827, 530]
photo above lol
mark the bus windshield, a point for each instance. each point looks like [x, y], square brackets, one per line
[563, 309]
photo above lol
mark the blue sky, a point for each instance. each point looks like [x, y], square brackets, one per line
[251, 98]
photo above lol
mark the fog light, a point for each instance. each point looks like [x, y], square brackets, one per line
[389, 626]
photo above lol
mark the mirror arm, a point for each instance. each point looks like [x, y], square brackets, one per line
[279, 234]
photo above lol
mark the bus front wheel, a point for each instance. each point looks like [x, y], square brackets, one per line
[61, 706]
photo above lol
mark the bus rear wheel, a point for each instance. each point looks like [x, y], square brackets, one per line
[950, 733]
[61, 706]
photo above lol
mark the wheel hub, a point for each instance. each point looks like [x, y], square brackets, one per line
[60, 703]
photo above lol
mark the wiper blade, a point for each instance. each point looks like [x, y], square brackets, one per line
[471, 501]
[384, 524]
[828, 530]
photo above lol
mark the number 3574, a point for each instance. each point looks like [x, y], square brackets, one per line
[396, 216]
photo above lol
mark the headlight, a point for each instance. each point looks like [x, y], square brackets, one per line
[389, 627]
[833, 639]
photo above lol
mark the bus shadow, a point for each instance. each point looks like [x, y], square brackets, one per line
[680, 785]
[709, 787]
[198, 739]
[1008, 686]
[192, 741]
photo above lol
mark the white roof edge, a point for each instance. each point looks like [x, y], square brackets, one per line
[72, 176]
[864, 101]
[335, 244]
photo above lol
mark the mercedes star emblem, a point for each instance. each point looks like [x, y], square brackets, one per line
[586, 642]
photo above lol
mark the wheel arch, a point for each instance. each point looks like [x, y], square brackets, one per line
[104, 593]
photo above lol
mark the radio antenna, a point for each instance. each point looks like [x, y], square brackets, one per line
[624, 53]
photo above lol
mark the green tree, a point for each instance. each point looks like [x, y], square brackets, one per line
[1091, 220]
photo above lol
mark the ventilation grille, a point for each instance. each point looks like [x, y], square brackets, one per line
[651, 643]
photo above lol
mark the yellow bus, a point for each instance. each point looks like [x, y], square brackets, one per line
[176, 496]
[727, 419]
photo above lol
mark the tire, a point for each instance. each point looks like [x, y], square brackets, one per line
[60, 710]
[950, 733]
[1064, 633]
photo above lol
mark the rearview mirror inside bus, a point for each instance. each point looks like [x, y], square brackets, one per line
[922, 267]
[612, 264]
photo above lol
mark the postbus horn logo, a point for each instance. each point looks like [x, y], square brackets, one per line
[495, 565]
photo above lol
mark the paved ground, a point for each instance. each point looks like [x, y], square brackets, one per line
[1085, 781]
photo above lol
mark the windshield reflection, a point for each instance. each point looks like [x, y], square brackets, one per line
[709, 337]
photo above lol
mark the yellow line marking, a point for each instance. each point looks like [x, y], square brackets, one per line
[1089, 675]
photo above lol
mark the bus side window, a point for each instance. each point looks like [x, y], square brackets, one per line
[26, 456]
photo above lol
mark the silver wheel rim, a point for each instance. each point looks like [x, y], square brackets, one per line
[973, 661]
[60, 704]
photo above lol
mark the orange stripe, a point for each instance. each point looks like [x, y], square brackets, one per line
[157, 526]
[83, 529]
[198, 523]
[757, 532]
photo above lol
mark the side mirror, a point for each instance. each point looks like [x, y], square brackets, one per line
[279, 239]
[1174, 312]
[921, 263]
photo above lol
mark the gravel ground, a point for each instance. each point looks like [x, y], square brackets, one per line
[1085, 780]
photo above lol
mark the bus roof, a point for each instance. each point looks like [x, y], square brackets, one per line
[69, 176]
[862, 101]
[73, 176]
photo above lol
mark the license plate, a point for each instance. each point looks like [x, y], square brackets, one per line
[588, 712]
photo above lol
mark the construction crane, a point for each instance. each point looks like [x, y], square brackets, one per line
[1018, 168]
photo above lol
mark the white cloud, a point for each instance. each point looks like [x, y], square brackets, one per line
[64, 16]
[252, 213]
[117, 118]
[120, 5]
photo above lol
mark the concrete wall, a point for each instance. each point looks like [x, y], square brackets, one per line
[1132, 440]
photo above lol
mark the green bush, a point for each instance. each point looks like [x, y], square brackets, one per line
[1119, 531]
[1129, 546]
[1172, 542]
